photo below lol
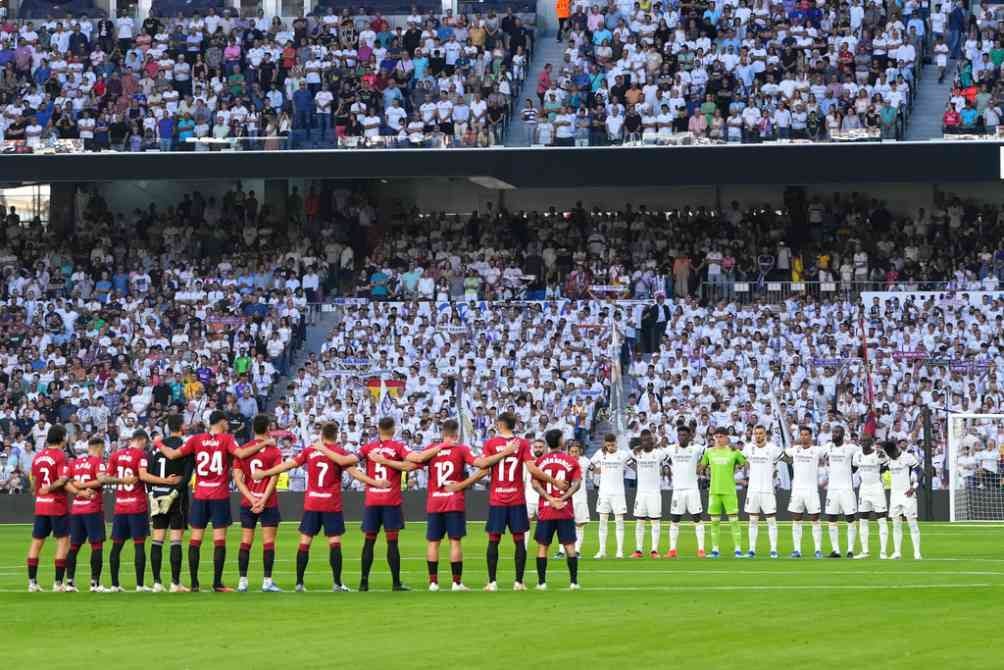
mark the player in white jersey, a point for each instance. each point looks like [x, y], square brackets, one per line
[870, 463]
[902, 497]
[760, 499]
[580, 501]
[805, 458]
[610, 463]
[648, 462]
[840, 499]
[686, 494]
[537, 448]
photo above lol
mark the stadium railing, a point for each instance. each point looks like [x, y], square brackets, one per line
[747, 291]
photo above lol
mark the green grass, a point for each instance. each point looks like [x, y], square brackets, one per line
[944, 611]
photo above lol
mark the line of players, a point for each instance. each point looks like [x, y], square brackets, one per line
[688, 460]
[151, 485]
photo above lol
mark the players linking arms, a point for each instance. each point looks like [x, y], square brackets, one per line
[556, 514]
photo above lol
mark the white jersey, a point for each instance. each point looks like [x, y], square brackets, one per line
[648, 464]
[870, 468]
[611, 467]
[805, 462]
[901, 469]
[685, 460]
[581, 496]
[763, 463]
[841, 459]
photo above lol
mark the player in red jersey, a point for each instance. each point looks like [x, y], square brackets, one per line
[213, 453]
[447, 461]
[556, 514]
[322, 502]
[87, 518]
[507, 456]
[128, 470]
[49, 475]
[385, 459]
[259, 504]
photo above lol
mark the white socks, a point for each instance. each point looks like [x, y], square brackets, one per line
[883, 525]
[619, 532]
[796, 535]
[699, 529]
[863, 523]
[897, 535]
[754, 531]
[914, 536]
[639, 534]
[654, 529]
[834, 537]
[852, 535]
[580, 535]
[817, 535]
[604, 518]
[772, 532]
[674, 534]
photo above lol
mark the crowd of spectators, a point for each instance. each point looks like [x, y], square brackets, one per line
[975, 44]
[745, 71]
[853, 241]
[130, 316]
[262, 82]
[110, 327]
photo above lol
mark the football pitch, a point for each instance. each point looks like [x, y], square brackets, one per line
[944, 611]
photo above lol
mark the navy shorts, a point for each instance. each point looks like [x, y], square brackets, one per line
[130, 526]
[311, 522]
[57, 525]
[204, 511]
[268, 517]
[513, 516]
[89, 527]
[565, 529]
[448, 524]
[388, 516]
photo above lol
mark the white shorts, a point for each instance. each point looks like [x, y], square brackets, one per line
[872, 500]
[841, 503]
[611, 504]
[761, 503]
[687, 501]
[648, 505]
[532, 503]
[804, 502]
[581, 508]
[901, 505]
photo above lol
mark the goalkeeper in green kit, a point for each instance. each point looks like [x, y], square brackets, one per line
[722, 461]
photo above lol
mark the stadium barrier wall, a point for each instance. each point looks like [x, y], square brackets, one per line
[612, 167]
[20, 508]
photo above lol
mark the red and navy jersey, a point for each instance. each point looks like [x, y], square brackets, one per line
[48, 466]
[213, 454]
[506, 488]
[447, 467]
[561, 467]
[394, 451]
[129, 498]
[265, 459]
[324, 479]
[83, 470]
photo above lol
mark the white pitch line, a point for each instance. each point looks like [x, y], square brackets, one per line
[813, 587]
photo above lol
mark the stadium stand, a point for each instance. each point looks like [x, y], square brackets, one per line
[106, 336]
[734, 72]
[974, 107]
[202, 81]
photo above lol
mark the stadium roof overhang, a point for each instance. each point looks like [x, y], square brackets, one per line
[504, 168]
